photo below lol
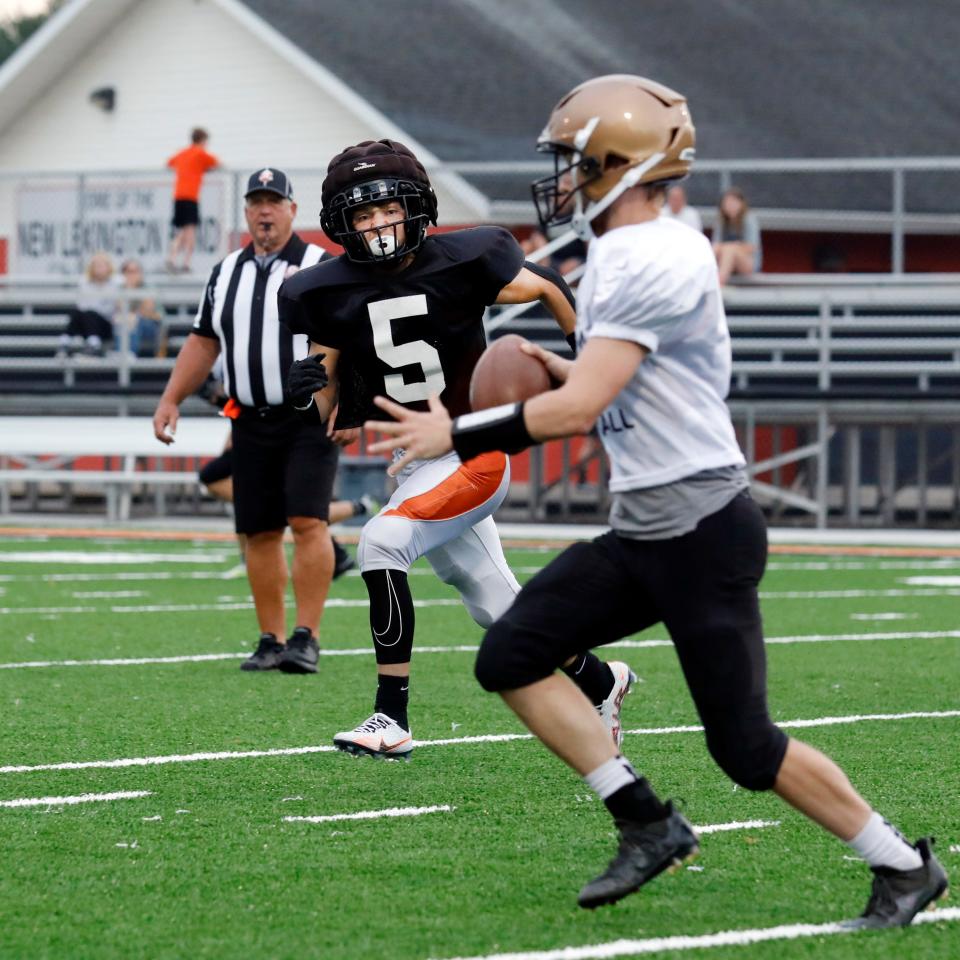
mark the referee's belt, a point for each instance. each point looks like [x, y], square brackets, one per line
[234, 410]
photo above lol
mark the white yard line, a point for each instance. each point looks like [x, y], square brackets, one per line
[201, 657]
[703, 829]
[107, 575]
[107, 594]
[373, 814]
[856, 593]
[232, 574]
[929, 563]
[469, 648]
[202, 607]
[728, 938]
[80, 798]
[933, 563]
[446, 742]
[736, 825]
[123, 662]
[112, 557]
[892, 615]
[342, 602]
[814, 638]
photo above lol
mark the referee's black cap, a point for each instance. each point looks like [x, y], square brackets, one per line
[271, 180]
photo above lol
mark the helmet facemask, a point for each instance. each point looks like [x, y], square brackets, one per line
[565, 197]
[382, 244]
[559, 196]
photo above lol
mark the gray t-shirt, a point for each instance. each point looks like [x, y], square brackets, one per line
[673, 509]
[99, 297]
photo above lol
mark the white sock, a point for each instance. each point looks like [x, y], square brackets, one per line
[609, 777]
[882, 845]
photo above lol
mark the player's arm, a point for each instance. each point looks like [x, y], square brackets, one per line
[194, 363]
[326, 399]
[535, 282]
[601, 371]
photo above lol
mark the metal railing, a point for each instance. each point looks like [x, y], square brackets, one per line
[130, 208]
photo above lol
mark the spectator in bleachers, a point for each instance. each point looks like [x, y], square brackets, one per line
[91, 321]
[534, 240]
[564, 261]
[569, 257]
[138, 317]
[736, 237]
[190, 165]
[678, 208]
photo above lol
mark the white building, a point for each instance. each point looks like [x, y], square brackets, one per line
[172, 65]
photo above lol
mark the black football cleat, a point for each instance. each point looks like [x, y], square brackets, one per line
[300, 654]
[342, 561]
[266, 656]
[645, 851]
[897, 896]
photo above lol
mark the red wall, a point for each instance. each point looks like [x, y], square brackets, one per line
[799, 251]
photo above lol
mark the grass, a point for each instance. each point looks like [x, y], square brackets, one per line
[207, 867]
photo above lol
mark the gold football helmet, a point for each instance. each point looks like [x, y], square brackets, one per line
[608, 135]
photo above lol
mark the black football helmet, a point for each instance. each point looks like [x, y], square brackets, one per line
[377, 171]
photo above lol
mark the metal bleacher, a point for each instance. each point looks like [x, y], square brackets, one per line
[845, 394]
[34, 312]
[845, 390]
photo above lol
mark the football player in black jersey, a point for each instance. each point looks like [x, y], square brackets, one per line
[401, 314]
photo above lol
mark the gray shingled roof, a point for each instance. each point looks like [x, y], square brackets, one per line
[475, 79]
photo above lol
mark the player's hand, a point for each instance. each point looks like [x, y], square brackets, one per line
[304, 378]
[165, 421]
[343, 438]
[557, 366]
[421, 436]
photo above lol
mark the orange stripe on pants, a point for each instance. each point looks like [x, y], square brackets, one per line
[473, 483]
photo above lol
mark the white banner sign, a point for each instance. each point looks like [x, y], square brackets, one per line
[60, 224]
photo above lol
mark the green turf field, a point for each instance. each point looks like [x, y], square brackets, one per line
[205, 865]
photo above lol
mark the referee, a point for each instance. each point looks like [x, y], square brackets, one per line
[284, 465]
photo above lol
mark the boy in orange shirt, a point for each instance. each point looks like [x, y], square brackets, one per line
[190, 165]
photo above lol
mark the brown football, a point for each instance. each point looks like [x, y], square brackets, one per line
[505, 374]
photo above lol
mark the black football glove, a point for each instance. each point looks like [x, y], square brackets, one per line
[304, 378]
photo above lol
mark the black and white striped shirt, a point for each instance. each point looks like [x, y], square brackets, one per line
[239, 308]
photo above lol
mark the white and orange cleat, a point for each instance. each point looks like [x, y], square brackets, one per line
[378, 736]
[623, 679]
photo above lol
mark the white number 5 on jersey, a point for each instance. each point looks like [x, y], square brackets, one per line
[418, 353]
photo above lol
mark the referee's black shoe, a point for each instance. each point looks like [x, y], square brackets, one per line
[646, 850]
[898, 896]
[342, 561]
[300, 654]
[266, 656]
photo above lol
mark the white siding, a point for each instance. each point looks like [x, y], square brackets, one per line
[176, 64]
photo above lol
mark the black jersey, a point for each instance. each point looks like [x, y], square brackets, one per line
[410, 333]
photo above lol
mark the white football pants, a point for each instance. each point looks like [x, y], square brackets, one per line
[443, 510]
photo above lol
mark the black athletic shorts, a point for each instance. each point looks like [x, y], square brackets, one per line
[186, 213]
[283, 466]
[701, 586]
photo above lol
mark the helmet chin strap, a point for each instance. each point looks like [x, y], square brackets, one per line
[581, 222]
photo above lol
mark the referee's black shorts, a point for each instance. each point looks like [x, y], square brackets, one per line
[283, 466]
[185, 213]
